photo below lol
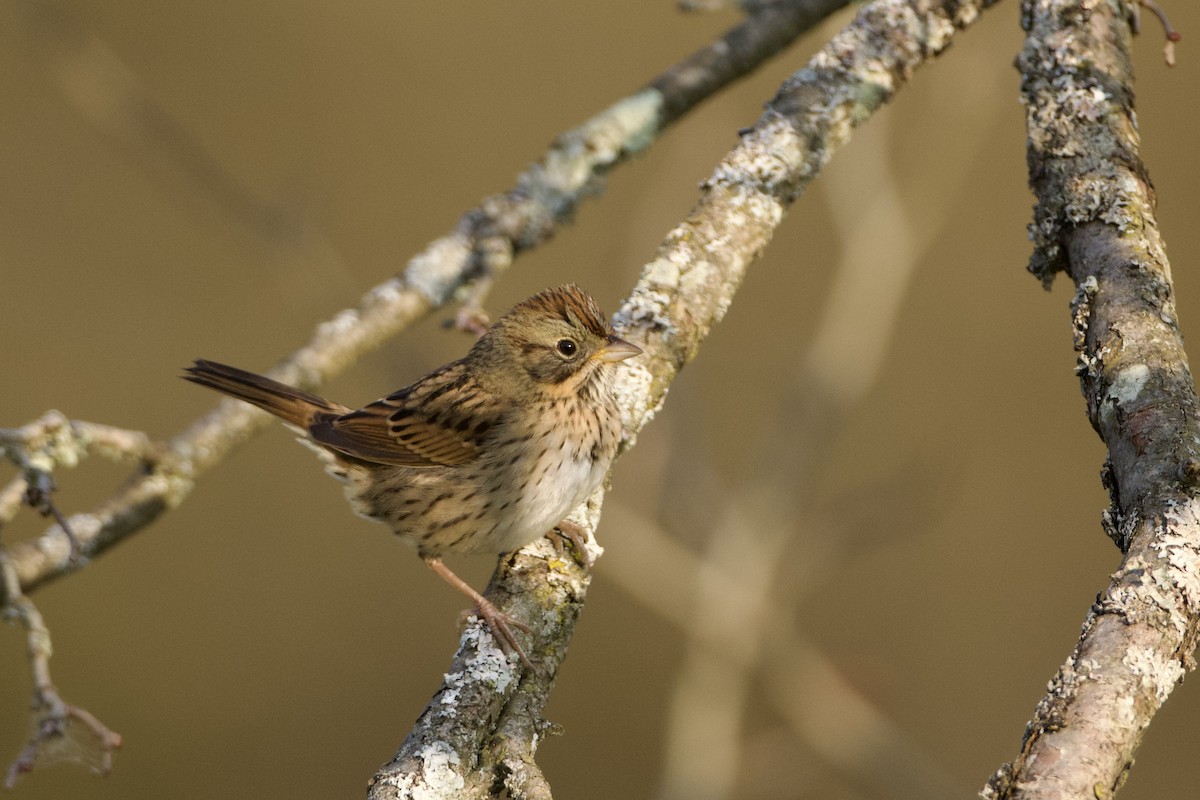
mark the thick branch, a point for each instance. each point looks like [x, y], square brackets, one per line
[482, 245]
[680, 296]
[1095, 220]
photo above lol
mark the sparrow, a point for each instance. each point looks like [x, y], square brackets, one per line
[483, 455]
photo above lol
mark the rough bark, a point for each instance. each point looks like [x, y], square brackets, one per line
[1095, 221]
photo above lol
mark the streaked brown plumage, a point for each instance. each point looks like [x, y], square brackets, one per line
[484, 454]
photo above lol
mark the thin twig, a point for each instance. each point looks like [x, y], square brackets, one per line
[1172, 35]
[38, 487]
[52, 715]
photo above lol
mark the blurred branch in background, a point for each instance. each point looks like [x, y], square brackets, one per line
[736, 599]
[1095, 221]
[680, 296]
[121, 107]
[111, 96]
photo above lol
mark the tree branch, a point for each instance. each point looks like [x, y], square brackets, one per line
[680, 296]
[1095, 221]
[55, 721]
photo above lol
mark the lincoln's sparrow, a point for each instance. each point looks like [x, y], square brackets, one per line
[485, 454]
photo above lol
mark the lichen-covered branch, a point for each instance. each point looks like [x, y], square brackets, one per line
[482, 726]
[1095, 221]
[680, 296]
[483, 244]
[52, 442]
[38, 449]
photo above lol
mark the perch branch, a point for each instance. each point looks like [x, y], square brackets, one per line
[1095, 221]
[680, 296]
[481, 246]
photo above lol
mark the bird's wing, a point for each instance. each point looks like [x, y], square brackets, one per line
[440, 420]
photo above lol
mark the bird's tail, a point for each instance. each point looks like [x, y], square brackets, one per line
[286, 402]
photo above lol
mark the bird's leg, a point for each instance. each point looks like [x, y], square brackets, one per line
[501, 624]
[567, 531]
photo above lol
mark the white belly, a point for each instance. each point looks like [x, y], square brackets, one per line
[558, 486]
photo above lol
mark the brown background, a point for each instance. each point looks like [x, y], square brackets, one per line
[260, 641]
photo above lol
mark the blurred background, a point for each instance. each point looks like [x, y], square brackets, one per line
[879, 466]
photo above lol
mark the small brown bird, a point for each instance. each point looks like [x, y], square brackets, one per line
[483, 455]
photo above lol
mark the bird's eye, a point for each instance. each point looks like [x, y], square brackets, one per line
[566, 347]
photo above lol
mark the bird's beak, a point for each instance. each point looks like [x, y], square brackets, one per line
[617, 350]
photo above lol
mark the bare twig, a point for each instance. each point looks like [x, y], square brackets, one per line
[39, 448]
[471, 317]
[1172, 36]
[53, 717]
[681, 295]
[92, 78]
[1095, 221]
[38, 487]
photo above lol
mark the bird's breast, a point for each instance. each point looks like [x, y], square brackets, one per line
[526, 481]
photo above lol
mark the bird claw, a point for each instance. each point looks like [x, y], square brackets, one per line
[567, 531]
[502, 625]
